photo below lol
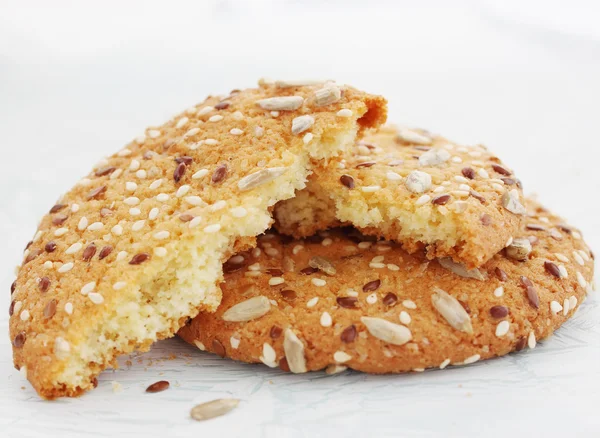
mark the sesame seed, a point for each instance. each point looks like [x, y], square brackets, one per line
[344, 113]
[134, 165]
[326, 320]
[159, 251]
[95, 226]
[212, 228]
[117, 173]
[89, 287]
[117, 230]
[307, 138]
[130, 186]
[200, 174]
[236, 131]
[572, 302]
[341, 357]
[370, 189]
[162, 197]
[215, 118]
[274, 281]
[134, 211]
[318, 282]
[581, 280]
[211, 142]
[156, 184]
[578, 258]
[376, 265]
[238, 212]
[393, 176]
[195, 222]
[499, 291]
[65, 268]
[69, 308]
[424, 199]
[205, 110]
[24, 315]
[141, 174]
[271, 252]
[372, 298]
[502, 328]
[192, 132]
[555, 307]
[471, 359]
[327, 241]
[96, 298]
[182, 191]
[138, 225]
[153, 133]
[61, 232]
[83, 223]
[563, 271]
[181, 122]
[219, 205]
[124, 153]
[365, 245]
[119, 285]
[531, 342]
[74, 248]
[312, 302]
[162, 235]
[153, 214]
[409, 304]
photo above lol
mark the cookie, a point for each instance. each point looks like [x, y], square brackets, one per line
[342, 300]
[415, 188]
[137, 246]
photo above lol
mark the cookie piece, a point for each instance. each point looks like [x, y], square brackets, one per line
[417, 189]
[343, 300]
[137, 246]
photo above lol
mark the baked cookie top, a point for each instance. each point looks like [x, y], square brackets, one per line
[418, 189]
[340, 299]
[137, 246]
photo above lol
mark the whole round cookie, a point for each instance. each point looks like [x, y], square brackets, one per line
[341, 300]
[415, 188]
[137, 246]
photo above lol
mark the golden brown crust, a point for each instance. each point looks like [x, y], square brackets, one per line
[137, 246]
[498, 311]
[415, 188]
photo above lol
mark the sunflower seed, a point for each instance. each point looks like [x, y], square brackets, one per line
[283, 103]
[263, 176]
[519, 249]
[452, 311]
[510, 201]
[322, 264]
[327, 95]
[248, 310]
[294, 352]
[302, 123]
[418, 182]
[460, 270]
[434, 157]
[212, 409]
[387, 331]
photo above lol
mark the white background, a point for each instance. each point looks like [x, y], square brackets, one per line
[79, 79]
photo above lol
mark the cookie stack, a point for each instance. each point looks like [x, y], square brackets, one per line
[285, 225]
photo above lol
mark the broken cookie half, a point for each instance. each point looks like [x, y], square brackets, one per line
[138, 245]
[418, 189]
